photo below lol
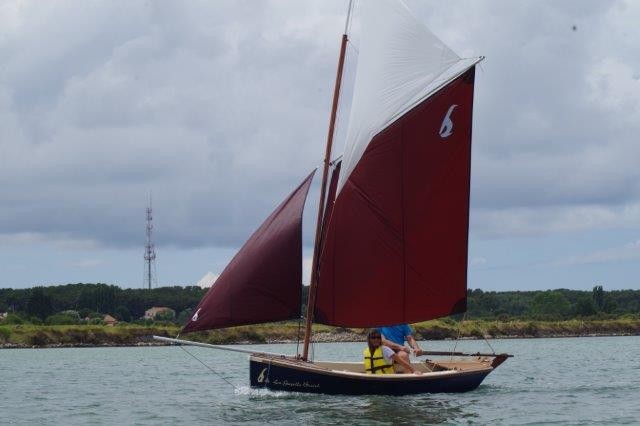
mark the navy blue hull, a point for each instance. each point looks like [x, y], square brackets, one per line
[283, 377]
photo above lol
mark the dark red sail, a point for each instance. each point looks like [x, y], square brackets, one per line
[396, 244]
[263, 281]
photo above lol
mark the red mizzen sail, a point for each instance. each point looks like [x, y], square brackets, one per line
[263, 282]
[396, 244]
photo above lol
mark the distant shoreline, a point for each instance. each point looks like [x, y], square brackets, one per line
[84, 336]
[161, 344]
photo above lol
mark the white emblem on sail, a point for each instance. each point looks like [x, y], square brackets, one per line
[195, 316]
[447, 125]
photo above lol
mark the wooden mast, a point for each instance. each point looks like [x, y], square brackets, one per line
[325, 173]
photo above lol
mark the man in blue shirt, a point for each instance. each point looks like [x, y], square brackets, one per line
[394, 337]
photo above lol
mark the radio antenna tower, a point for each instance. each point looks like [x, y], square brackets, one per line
[149, 248]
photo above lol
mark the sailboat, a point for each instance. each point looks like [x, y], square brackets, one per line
[393, 220]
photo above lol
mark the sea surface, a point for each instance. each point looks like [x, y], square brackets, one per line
[593, 380]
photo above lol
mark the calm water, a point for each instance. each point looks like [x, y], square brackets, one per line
[563, 381]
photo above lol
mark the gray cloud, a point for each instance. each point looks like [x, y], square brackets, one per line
[629, 251]
[216, 107]
[556, 113]
[219, 108]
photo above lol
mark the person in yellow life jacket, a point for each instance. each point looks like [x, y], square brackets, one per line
[378, 359]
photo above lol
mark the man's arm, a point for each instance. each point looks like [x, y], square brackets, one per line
[394, 346]
[407, 366]
[412, 342]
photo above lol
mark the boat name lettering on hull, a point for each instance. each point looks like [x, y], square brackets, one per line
[289, 384]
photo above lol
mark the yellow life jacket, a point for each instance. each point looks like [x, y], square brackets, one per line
[376, 364]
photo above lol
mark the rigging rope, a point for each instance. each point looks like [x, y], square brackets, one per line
[487, 342]
[210, 369]
[484, 337]
[206, 366]
[298, 337]
[313, 350]
[464, 317]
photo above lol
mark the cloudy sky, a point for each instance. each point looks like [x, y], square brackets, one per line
[219, 108]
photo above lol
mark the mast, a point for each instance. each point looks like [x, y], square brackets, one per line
[325, 172]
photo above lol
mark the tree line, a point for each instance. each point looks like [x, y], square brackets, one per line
[87, 299]
[130, 304]
[553, 305]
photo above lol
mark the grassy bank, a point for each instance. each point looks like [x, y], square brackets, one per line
[78, 335]
[27, 336]
[449, 329]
